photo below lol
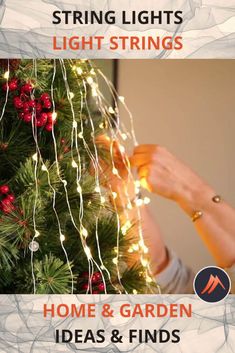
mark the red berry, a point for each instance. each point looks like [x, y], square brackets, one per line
[85, 286]
[101, 287]
[38, 107]
[11, 197]
[21, 116]
[96, 277]
[45, 96]
[62, 141]
[39, 123]
[49, 118]
[27, 88]
[8, 208]
[32, 103]
[6, 202]
[18, 103]
[27, 117]
[4, 189]
[26, 107]
[43, 117]
[13, 85]
[66, 149]
[47, 104]
[49, 127]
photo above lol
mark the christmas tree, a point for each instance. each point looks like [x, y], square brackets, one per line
[61, 228]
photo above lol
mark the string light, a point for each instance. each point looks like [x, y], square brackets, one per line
[134, 291]
[102, 199]
[84, 232]
[44, 168]
[147, 200]
[79, 70]
[54, 116]
[97, 189]
[114, 194]
[122, 99]
[88, 252]
[79, 189]
[115, 260]
[89, 80]
[126, 227]
[80, 135]
[111, 111]
[37, 234]
[74, 164]
[144, 262]
[75, 124]
[115, 171]
[124, 136]
[6, 75]
[72, 95]
[35, 157]
[139, 202]
[62, 237]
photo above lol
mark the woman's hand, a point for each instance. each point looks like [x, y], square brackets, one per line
[162, 173]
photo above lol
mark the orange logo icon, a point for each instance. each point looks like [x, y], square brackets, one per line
[212, 284]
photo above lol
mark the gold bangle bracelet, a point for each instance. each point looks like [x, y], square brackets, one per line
[198, 214]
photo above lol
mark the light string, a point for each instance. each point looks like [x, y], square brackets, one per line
[139, 202]
[6, 76]
[96, 166]
[95, 160]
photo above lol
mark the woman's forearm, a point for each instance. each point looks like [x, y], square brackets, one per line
[216, 226]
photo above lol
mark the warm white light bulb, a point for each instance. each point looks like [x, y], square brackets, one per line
[84, 232]
[74, 164]
[111, 111]
[62, 237]
[89, 80]
[115, 260]
[114, 195]
[71, 95]
[80, 135]
[37, 234]
[139, 202]
[87, 252]
[124, 136]
[102, 199]
[144, 262]
[44, 168]
[115, 171]
[6, 75]
[146, 200]
[54, 116]
[35, 157]
[122, 99]
[79, 70]
[97, 189]
[75, 124]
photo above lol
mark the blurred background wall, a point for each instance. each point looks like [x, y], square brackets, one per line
[189, 107]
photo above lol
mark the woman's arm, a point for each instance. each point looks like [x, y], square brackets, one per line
[162, 173]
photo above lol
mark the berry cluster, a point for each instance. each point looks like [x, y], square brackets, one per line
[96, 280]
[8, 199]
[25, 105]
